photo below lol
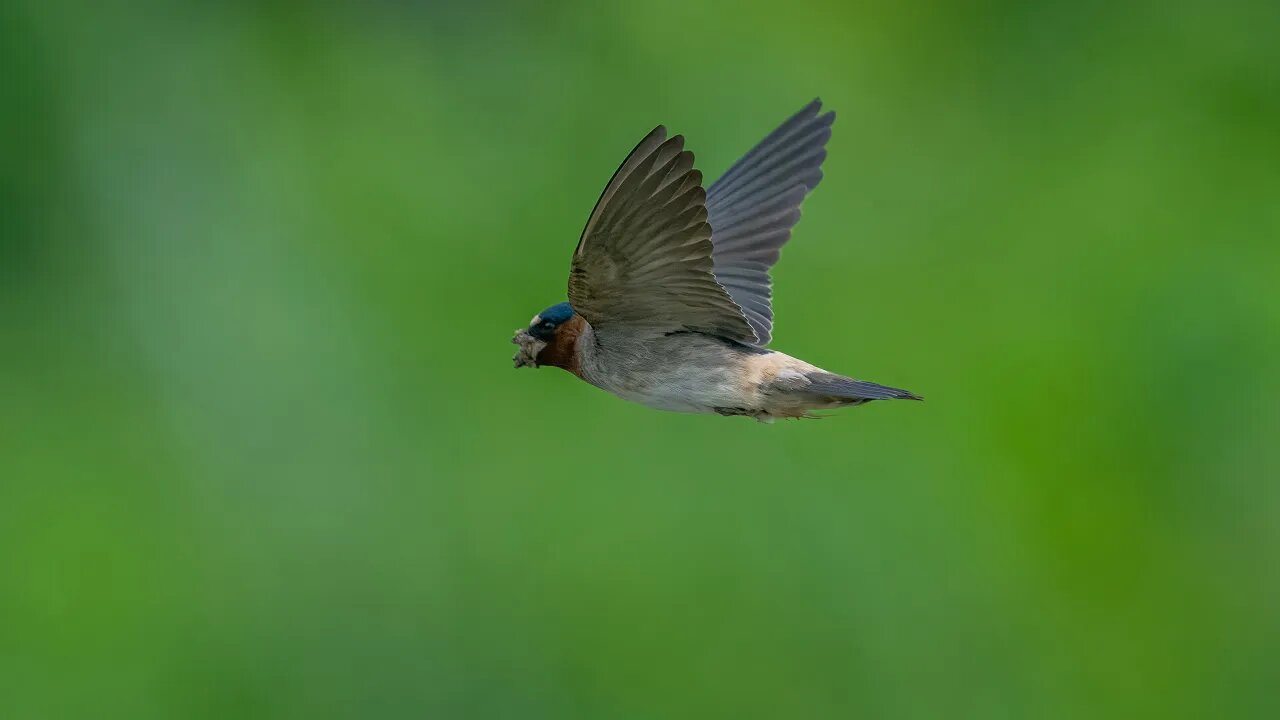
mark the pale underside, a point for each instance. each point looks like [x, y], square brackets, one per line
[697, 373]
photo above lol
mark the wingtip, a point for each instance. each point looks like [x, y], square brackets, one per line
[814, 108]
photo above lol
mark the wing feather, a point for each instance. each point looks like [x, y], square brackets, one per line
[754, 205]
[644, 258]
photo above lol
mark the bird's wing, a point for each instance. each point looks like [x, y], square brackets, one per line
[754, 205]
[644, 258]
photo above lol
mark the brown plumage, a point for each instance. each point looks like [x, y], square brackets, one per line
[560, 351]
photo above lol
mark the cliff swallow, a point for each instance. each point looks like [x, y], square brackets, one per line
[669, 290]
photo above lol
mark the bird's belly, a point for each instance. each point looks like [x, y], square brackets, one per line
[689, 390]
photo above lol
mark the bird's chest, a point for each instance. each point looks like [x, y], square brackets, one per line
[694, 378]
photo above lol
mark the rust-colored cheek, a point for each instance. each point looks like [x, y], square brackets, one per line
[560, 351]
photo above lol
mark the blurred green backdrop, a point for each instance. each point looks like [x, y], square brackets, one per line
[263, 454]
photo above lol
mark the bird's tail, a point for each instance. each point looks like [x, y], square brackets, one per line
[855, 391]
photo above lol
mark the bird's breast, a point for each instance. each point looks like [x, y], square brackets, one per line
[681, 373]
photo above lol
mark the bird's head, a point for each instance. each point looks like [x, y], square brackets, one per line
[550, 339]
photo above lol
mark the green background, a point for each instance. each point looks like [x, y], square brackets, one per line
[263, 453]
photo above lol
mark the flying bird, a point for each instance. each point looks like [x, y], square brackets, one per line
[670, 299]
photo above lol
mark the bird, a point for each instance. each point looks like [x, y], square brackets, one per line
[669, 294]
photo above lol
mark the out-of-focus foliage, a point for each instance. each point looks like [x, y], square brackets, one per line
[263, 454]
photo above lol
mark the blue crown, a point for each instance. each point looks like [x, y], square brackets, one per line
[557, 313]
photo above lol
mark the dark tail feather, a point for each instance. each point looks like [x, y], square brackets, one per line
[843, 387]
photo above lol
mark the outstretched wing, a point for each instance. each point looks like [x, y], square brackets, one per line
[754, 205]
[644, 258]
